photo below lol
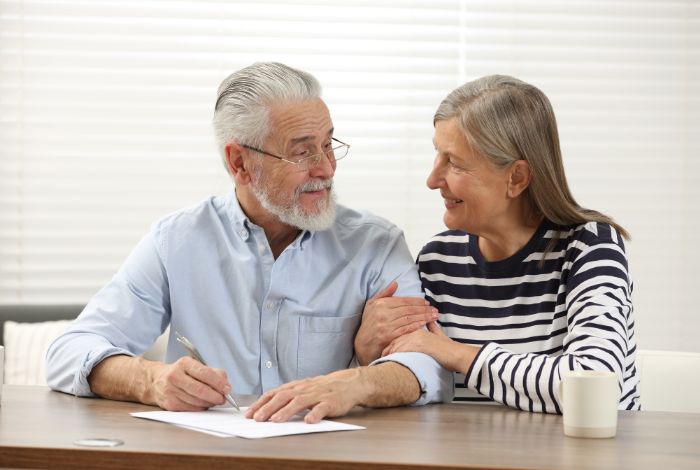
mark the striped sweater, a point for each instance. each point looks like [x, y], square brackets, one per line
[534, 321]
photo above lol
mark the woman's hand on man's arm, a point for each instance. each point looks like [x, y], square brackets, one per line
[386, 318]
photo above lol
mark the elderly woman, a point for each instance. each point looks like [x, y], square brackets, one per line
[528, 283]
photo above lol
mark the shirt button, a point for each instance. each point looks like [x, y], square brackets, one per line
[268, 364]
[243, 233]
[261, 248]
[270, 305]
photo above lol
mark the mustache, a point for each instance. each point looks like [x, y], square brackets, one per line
[315, 185]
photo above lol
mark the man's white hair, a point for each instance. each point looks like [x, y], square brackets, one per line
[241, 110]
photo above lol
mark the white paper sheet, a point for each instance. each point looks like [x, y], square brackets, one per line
[229, 422]
[205, 431]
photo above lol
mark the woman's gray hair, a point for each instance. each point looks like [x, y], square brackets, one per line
[244, 97]
[505, 119]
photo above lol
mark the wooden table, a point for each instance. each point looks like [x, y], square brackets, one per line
[38, 428]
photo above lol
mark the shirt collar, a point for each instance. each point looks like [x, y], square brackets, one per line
[305, 237]
[239, 221]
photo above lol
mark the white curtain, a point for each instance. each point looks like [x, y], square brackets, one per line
[105, 110]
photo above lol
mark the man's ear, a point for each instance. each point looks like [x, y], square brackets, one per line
[235, 164]
[519, 177]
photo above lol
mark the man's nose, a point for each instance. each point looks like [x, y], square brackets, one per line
[325, 168]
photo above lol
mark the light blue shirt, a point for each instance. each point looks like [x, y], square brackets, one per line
[208, 272]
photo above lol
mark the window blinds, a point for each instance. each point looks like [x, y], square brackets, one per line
[623, 78]
[105, 110]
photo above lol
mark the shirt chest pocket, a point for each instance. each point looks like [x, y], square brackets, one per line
[325, 344]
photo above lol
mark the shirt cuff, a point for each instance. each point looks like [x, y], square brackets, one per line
[436, 383]
[472, 375]
[81, 386]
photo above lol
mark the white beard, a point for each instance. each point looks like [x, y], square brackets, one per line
[291, 212]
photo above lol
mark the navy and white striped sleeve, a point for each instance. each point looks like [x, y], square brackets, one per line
[598, 315]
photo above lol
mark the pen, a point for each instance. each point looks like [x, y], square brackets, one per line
[195, 354]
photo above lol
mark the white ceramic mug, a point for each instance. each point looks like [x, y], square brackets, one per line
[589, 403]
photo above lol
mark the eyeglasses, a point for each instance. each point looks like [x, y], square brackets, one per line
[337, 151]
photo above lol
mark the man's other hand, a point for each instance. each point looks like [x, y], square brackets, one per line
[329, 395]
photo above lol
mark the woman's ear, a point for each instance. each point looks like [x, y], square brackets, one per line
[235, 163]
[519, 177]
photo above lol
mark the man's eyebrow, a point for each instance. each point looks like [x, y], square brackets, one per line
[300, 140]
[306, 138]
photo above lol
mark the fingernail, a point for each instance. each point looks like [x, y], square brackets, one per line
[227, 389]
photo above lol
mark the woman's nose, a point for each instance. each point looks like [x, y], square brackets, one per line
[435, 179]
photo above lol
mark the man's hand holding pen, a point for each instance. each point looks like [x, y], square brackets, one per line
[188, 385]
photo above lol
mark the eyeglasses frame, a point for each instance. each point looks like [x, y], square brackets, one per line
[316, 156]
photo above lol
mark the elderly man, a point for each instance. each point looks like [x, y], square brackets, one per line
[270, 282]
